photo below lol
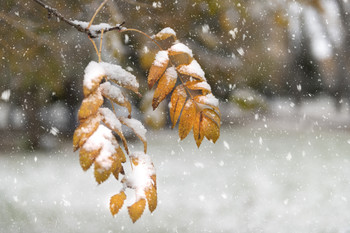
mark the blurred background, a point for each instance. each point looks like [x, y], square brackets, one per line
[280, 69]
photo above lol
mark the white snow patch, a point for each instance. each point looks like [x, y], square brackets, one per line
[140, 176]
[92, 72]
[93, 28]
[171, 73]
[5, 95]
[161, 58]
[168, 31]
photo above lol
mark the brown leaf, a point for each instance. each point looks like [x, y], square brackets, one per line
[177, 102]
[138, 129]
[94, 85]
[187, 119]
[87, 158]
[117, 202]
[136, 210]
[154, 179]
[197, 134]
[208, 101]
[158, 68]
[151, 196]
[209, 125]
[199, 85]
[165, 86]
[85, 130]
[102, 171]
[90, 105]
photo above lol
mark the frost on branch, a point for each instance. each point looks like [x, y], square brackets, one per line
[191, 103]
[96, 137]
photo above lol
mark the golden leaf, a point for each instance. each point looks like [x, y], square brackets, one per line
[201, 99]
[102, 171]
[136, 210]
[210, 126]
[117, 202]
[85, 130]
[177, 102]
[87, 158]
[154, 179]
[197, 134]
[158, 68]
[187, 119]
[95, 84]
[90, 105]
[165, 86]
[138, 129]
[151, 196]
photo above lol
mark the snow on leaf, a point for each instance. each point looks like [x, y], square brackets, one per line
[120, 76]
[90, 105]
[103, 140]
[117, 202]
[178, 99]
[198, 85]
[165, 33]
[165, 86]
[193, 69]
[112, 122]
[85, 130]
[138, 129]
[136, 210]
[115, 95]
[187, 118]
[94, 73]
[158, 67]
[208, 99]
[180, 48]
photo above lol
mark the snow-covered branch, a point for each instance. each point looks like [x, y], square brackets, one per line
[93, 31]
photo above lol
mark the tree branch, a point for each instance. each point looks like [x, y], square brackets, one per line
[92, 31]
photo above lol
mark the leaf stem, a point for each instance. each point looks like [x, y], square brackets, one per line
[141, 32]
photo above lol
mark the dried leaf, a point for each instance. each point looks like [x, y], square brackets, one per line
[115, 95]
[165, 86]
[193, 69]
[197, 134]
[136, 210]
[177, 102]
[138, 129]
[210, 129]
[208, 100]
[151, 196]
[85, 130]
[90, 105]
[112, 122]
[165, 34]
[180, 48]
[187, 119]
[87, 158]
[117, 202]
[158, 68]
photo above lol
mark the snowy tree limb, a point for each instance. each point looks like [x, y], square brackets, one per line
[93, 31]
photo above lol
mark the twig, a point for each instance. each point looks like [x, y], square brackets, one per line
[87, 30]
[96, 12]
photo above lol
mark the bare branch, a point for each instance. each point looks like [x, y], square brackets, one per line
[92, 31]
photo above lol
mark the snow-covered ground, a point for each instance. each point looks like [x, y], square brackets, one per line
[263, 177]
